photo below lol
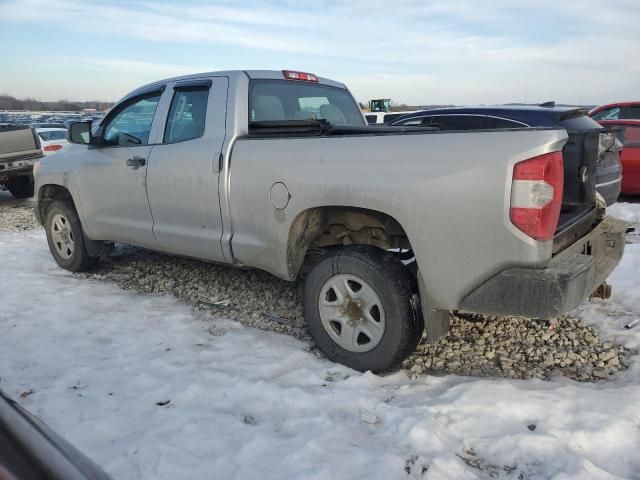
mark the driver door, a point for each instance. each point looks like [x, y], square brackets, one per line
[112, 177]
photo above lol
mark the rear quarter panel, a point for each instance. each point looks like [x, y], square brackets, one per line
[449, 191]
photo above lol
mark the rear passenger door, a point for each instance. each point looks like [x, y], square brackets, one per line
[182, 178]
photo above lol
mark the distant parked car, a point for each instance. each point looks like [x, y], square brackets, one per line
[608, 171]
[379, 118]
[47, 125]
[628, 132]
[52, 139]
[617, 111]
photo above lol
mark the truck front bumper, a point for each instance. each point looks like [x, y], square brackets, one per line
[569, 278]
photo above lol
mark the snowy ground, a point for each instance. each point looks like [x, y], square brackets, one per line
[101, 362]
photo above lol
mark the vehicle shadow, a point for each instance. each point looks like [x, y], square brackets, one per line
[8, 200]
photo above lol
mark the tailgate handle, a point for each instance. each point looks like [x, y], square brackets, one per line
[136, 162]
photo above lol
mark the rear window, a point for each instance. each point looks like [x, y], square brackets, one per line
[495, 122]
[371, 118]
[53, 135]
[293, 100]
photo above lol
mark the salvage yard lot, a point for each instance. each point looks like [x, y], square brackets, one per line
[150, 366]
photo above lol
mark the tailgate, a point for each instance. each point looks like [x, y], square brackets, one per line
[18, 143]
[578, 214]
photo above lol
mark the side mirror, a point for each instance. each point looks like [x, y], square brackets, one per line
[80, 132]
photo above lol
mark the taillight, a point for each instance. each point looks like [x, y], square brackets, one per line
[536, 195]
[304, 77]
[52, 148]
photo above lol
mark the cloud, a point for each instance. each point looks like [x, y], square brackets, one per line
[459, 51]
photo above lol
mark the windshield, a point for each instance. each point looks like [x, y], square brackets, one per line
[291, 100]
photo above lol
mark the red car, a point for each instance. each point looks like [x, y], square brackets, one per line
[628, 132]
[616, 111]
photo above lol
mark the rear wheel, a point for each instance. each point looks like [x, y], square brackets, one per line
[66, 237]
[357, 303]
[21, 187]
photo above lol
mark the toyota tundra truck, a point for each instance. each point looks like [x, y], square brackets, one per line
[388, 228]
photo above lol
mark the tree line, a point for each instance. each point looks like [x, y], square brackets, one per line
[7, 102]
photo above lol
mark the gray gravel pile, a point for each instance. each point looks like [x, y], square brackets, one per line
[479, 346]
[16, 215]
[519, 348]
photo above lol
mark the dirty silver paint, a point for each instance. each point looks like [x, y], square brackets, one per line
[212, 197]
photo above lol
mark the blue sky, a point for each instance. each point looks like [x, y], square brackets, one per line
[413, 51]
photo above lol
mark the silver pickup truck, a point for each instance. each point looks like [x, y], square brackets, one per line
[389, 228]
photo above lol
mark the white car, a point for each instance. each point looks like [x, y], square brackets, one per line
[379, 118]
[52, 139]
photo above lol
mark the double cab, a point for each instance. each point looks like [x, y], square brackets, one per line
[388, 228]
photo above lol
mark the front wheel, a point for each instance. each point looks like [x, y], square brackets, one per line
[66, 237]
[357, 304]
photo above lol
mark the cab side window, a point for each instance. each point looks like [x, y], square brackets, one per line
[187, 115]
[608, 114]
[131, 124]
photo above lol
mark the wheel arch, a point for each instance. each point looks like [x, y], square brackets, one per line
[337, 225]
[47, 194]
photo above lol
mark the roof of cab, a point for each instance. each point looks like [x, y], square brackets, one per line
[251, 74]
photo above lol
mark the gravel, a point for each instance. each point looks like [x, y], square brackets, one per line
[16, 215]
[508, 347]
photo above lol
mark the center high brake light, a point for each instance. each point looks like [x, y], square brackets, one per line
[536, 195]
[301, 76]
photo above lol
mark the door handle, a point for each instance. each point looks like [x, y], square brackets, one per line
[136, 162]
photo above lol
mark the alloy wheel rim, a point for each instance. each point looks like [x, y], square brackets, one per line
[351, 313]
[62, 236]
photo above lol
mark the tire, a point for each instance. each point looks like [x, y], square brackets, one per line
[21, 187]
[358, 308]
[66, 237]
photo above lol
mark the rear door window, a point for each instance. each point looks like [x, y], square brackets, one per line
[187, 115]
[273, 100]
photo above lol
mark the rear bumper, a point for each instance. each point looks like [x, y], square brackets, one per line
[569, 278]
[16, 168]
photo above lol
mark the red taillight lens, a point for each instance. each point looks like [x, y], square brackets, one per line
[304, 77]
[536, 195]
[52, 148]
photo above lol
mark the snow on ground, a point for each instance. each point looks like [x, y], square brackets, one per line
[249, 404]
[629, 212]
